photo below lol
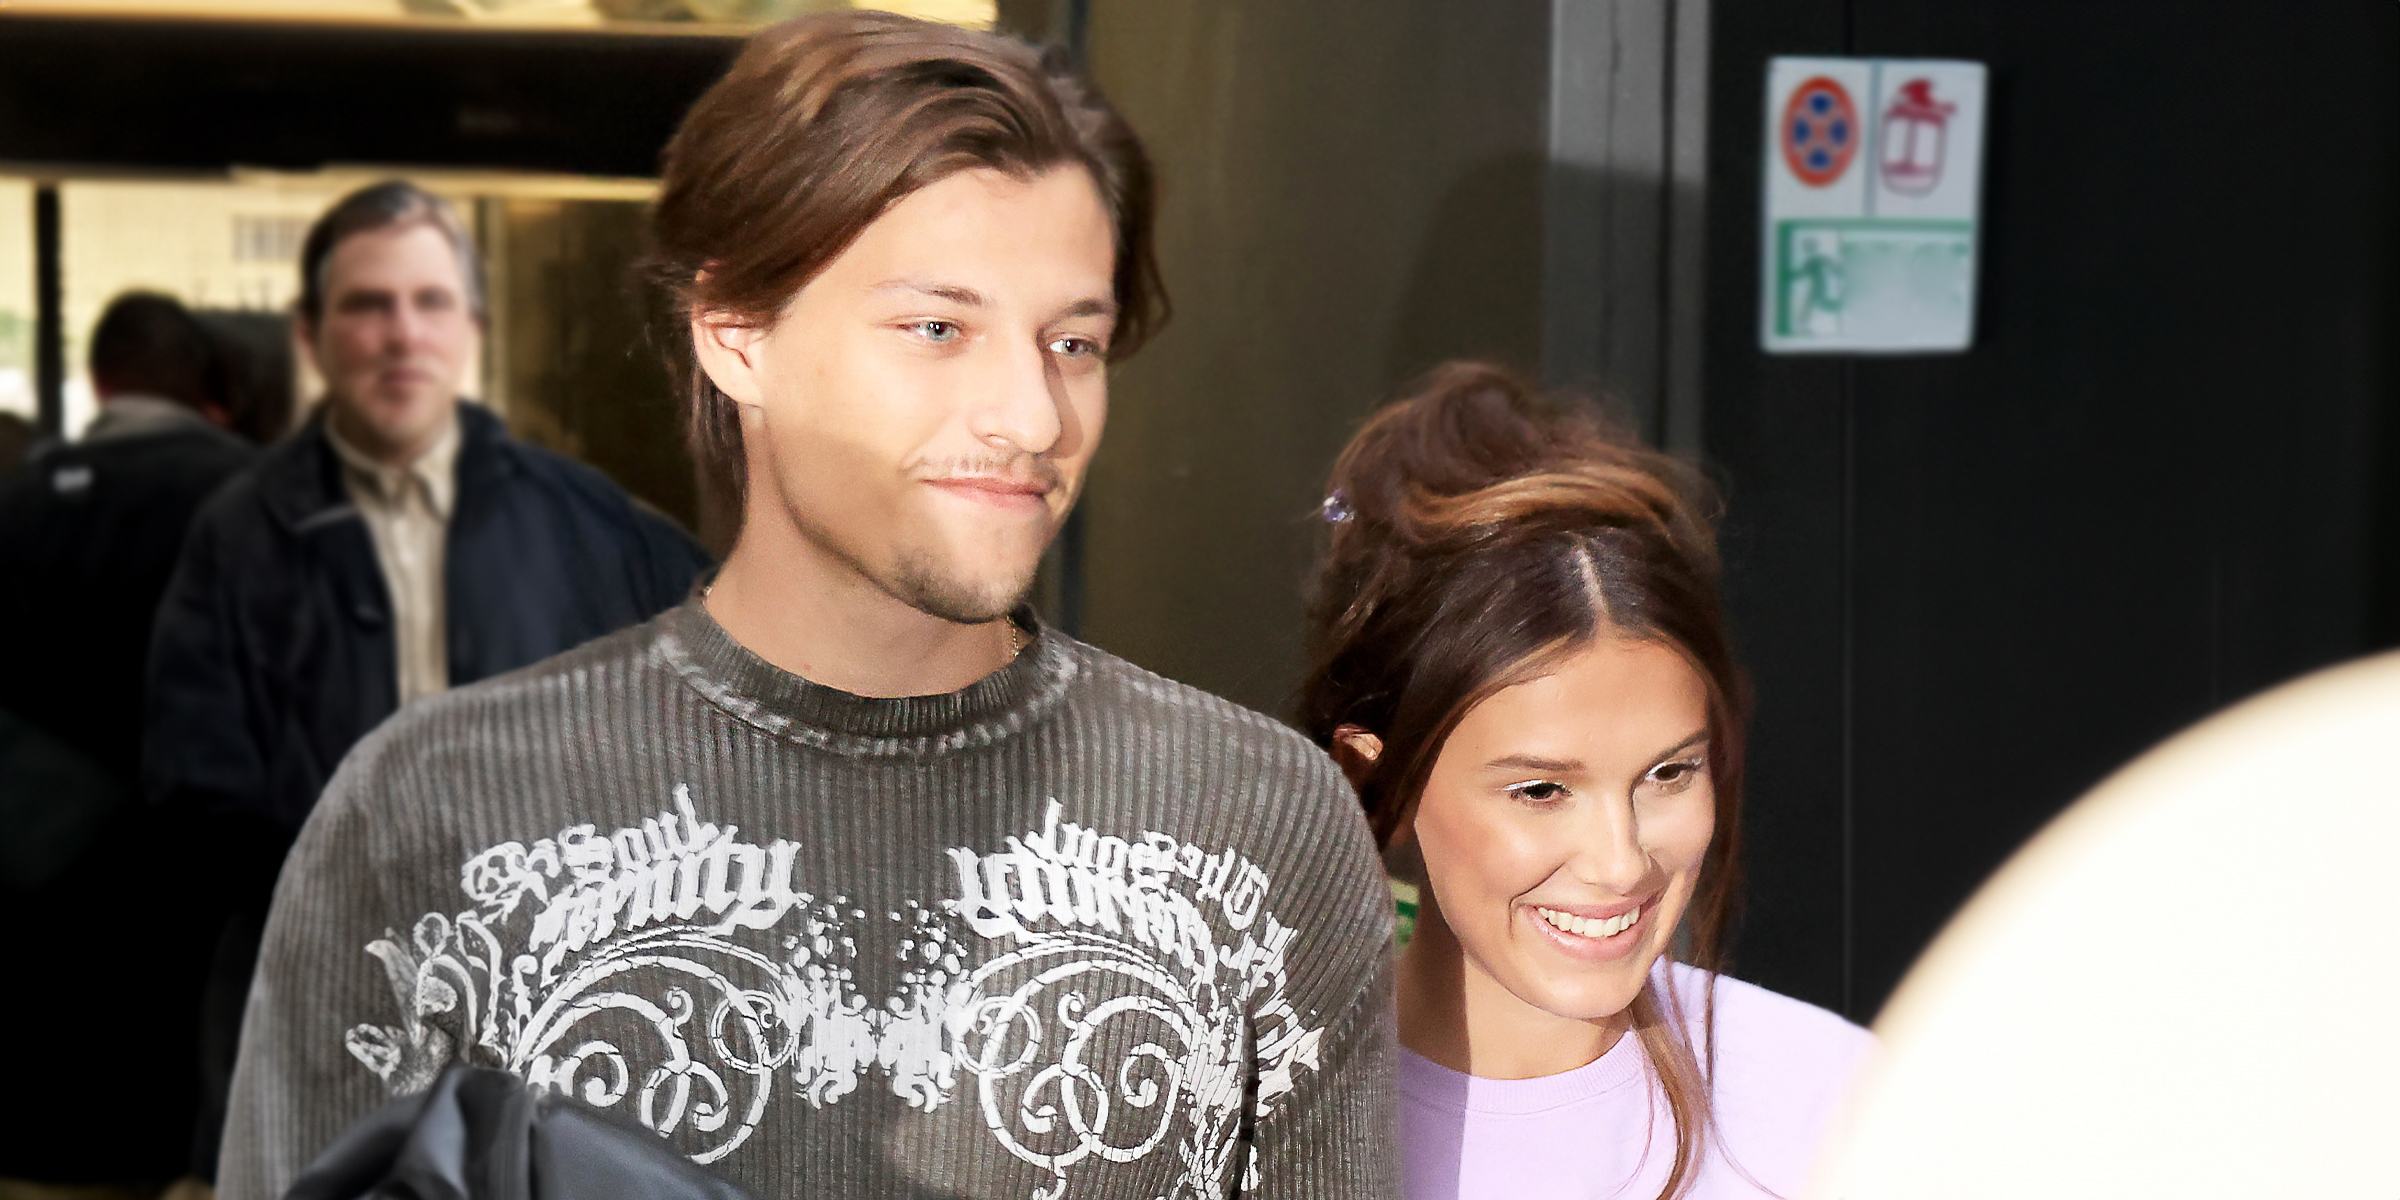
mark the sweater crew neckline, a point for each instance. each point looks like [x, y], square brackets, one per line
[758, 692]
[1428, 1082]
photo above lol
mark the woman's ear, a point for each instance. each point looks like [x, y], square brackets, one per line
[1404, 856]
[728, 350]
[1356, 751]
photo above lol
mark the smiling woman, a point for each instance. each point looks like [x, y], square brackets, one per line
[1520, 660]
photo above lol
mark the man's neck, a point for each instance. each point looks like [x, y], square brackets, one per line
[793, 604]
[363, 440]
[125, 414]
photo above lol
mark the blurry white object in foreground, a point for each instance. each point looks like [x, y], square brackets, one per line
[2188, 985]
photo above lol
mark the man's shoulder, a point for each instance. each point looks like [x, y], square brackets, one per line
[578, 483]
[1250, 770]
[1154, 700]
[592, 496]
[242, 502]
[174, 468]
[180, 465]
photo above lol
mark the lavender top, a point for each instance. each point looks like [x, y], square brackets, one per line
[1601, 1130]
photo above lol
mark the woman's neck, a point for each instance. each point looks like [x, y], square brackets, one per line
[1455, 1014]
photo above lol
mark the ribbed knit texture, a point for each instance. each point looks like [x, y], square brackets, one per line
[1073, 931]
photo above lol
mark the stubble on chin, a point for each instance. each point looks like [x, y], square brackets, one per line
[922, 583]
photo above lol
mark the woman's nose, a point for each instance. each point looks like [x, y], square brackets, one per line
[1608, 848]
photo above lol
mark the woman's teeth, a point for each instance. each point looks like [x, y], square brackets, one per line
[1591, 927]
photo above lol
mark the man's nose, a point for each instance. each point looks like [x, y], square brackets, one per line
[409, 327]
[1020, 400]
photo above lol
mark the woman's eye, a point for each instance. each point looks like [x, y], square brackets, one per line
[1540, 791]
[1676, 776]
[1074, 347]
[936, 331]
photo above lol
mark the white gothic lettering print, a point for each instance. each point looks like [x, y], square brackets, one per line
[1074, 990]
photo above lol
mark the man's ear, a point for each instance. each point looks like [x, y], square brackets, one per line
[1356, 751]
[728, 350]
[304, 331]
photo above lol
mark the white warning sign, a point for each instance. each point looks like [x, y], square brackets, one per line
[1874, 171]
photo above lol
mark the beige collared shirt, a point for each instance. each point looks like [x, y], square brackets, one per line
[408, 514]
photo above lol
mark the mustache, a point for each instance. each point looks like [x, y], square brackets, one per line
[415, 362]
[1016, 468]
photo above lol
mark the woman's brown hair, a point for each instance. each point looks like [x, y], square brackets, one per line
[1481, 534]
[825, 121]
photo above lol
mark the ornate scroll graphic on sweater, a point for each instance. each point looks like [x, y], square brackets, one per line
[1075, 989]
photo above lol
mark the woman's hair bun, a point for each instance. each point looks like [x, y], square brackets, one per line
[1477, 451]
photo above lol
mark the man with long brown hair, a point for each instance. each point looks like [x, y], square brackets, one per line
[849, 878]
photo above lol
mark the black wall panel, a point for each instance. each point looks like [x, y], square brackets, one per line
[1972, 585]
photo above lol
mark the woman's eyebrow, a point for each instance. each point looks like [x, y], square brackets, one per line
[1529, 762]
[1680, 747]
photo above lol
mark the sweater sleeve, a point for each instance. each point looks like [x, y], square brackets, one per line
[1325, 1116]
[306, 1070]
[1336, 1137]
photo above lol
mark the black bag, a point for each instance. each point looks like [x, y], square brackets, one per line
[480, 1134]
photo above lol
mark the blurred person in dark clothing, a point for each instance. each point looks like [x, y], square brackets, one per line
[398, 544]
[89, 534]
[89, 531]
[17, 439]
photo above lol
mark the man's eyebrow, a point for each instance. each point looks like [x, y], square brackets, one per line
[952, 292]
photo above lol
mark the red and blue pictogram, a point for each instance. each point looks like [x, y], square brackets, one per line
[1820, 132]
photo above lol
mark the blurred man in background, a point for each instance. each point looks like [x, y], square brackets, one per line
[399, 544]
[89, 534]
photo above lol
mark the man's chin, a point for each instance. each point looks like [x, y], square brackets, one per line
[965, 598]
[405, 420]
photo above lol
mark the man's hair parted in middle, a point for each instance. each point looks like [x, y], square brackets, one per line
[823, 123]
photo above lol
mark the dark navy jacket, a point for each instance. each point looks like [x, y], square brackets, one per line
[274, 651]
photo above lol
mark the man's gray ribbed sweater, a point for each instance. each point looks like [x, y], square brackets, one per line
[1074, 931]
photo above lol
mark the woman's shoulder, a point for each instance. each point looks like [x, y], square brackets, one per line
[1763, 1036]
[1783, 1068]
